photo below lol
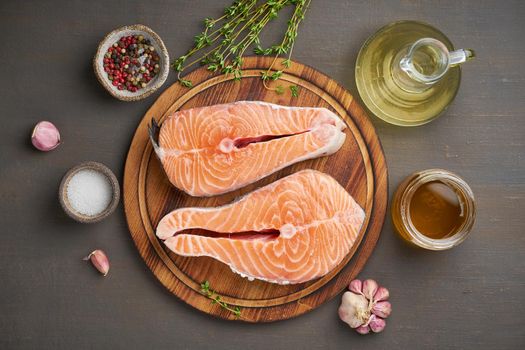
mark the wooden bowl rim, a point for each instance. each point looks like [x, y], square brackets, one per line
[64, 202]
[156, 83]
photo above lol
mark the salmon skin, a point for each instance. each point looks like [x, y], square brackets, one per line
[293, 230]
[208, 151]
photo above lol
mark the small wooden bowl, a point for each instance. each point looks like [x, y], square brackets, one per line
[64, 201]
[113, 37]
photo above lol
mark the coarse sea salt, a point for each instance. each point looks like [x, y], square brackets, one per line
[89, 192]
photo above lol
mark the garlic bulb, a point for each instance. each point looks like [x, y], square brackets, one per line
[364, 307]
[45, 136]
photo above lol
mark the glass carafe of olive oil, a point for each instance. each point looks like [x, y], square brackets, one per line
[408, 72]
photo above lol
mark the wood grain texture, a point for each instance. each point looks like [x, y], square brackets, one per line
[359, 166]
[470, 297]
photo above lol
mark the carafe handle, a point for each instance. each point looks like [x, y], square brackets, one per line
[459, 56]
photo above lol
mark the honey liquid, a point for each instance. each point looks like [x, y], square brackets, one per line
[436, 210]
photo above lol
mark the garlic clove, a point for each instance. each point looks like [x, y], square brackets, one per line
[363, 329]
[45, 136]
[381, 294]
[376, 324]
[356, 286]
[382, 309]
[370, 289]
[100, 260]
[354, 309]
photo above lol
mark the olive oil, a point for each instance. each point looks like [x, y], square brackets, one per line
[388, 92]
[436, 210]
[426, 60]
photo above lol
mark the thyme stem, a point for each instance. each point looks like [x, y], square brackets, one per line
[224, 40]
[216, 299]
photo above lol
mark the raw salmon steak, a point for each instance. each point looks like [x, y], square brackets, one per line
[291, 231]
[211, 150]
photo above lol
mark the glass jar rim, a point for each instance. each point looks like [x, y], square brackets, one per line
[450, 179]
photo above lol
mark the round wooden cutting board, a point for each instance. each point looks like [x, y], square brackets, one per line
[359, 166]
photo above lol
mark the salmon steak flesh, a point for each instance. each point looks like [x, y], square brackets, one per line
[208, 151]
[293, 230]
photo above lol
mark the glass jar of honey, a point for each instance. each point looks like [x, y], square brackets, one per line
[433, 209]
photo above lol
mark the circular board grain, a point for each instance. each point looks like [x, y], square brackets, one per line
[359, 166]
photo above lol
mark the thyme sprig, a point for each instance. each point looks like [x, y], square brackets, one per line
[224, 40]
[216, 299]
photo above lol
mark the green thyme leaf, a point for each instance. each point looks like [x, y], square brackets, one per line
[208, 22]
[212, 67]
[294, 89]
[277, 75]
[237, 74]
[258, 50]
[186, 83]
[265, 76]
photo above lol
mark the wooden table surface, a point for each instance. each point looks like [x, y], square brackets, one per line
[471, 297]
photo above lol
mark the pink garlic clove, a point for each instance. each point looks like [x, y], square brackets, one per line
[363, 329]
[382, 309]
[369, 289]
[100, 260]
[381, 294]
[356, 286]
[376, 324]
[354, 309]
[45, 136]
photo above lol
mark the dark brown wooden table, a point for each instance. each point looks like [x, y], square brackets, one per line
[471, 297]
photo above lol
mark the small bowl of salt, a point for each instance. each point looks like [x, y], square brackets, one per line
[89, 192]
